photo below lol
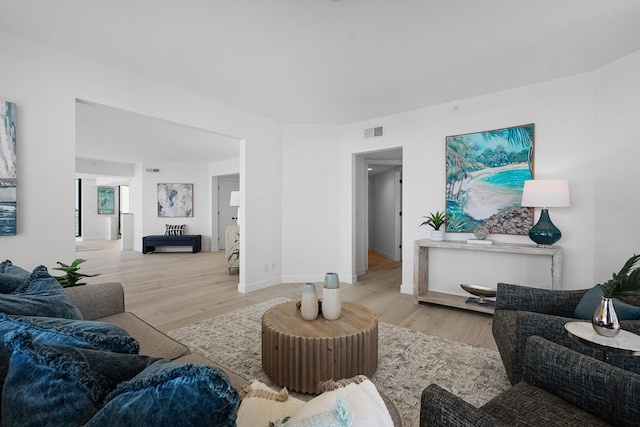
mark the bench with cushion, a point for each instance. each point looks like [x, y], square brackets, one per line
[149, 243]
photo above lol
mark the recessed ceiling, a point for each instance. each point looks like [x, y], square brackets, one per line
[335, 62]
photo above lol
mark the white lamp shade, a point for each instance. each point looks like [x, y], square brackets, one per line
[235, 198]
[546, 193]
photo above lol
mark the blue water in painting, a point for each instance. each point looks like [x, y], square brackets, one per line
[512, 179]
[7, 218]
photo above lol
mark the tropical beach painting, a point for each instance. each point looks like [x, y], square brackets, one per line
[8, 211]
[485, 177]
[175, 200]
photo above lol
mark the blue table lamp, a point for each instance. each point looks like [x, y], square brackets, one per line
[545, 193]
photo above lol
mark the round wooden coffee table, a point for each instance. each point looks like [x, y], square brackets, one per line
[298, 353]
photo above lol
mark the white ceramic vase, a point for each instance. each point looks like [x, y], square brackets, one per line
[437, 235]
[309, 304]
[331, 304]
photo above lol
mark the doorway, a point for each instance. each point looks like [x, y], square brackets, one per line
[227, 215]
[379, 207]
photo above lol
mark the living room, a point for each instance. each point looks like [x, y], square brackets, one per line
[298, 178]
[294, 175]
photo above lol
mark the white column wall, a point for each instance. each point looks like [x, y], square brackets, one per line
[311, 182]
[617, 172]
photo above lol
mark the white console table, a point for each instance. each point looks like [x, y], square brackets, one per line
[421, 268]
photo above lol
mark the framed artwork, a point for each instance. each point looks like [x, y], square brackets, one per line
[485, 177]
[106, 197]
[175, 200]
[8, 208]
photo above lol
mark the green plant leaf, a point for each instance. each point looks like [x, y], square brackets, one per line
[435, 220]
[73, 276]
[625, 282]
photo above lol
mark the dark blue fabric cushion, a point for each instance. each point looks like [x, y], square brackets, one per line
[11, 277]
[75, 333]
[61, 385]
[589, 302]
[168, 394]
[39, 295]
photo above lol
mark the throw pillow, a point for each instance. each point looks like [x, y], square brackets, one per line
[53, 331]
[39, 295]
[11, 277]
[61, 385]
[589, 302]
[167, 393]
[262, 405]
[174, 230]
[355, 405]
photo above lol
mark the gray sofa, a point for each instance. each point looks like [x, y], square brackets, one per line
[105, 302]
[560, 387]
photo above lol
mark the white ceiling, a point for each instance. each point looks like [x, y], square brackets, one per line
[116, 135]
[335, 62]
[315, 61]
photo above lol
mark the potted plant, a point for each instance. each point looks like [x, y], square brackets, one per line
[233, 260]
[436, 220]
[626, 282]
[72, 277]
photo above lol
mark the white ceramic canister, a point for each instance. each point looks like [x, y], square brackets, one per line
[331, 304]
[309, 305]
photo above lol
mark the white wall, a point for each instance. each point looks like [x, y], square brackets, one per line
[186, 173]
[563, 113]
[94, 225]
[311, 182]
[617, 171]
[298, 186]
[384, 213]
[45, 83]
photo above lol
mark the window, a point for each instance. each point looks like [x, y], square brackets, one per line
[78, 205]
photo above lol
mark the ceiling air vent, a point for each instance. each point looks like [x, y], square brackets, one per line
[374, 132]
[152, 170]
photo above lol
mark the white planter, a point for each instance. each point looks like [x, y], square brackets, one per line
[309, 304]
[331, 304]
[437, 235]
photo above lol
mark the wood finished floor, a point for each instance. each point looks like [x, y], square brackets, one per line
[171, 290]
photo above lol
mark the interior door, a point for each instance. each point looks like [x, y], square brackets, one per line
[227, 215]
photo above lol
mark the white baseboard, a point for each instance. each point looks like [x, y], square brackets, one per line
[406, 289]
[246, 288]
[311, 278]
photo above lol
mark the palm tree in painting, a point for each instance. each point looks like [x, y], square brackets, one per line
[460, 161]
[520, 136]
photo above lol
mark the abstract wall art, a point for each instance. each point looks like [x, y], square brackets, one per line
[8, 211]
[485, 174]
[175, 200]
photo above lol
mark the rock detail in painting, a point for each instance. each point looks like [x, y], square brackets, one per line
[510, 221]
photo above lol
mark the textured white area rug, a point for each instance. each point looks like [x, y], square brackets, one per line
[408, 361]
